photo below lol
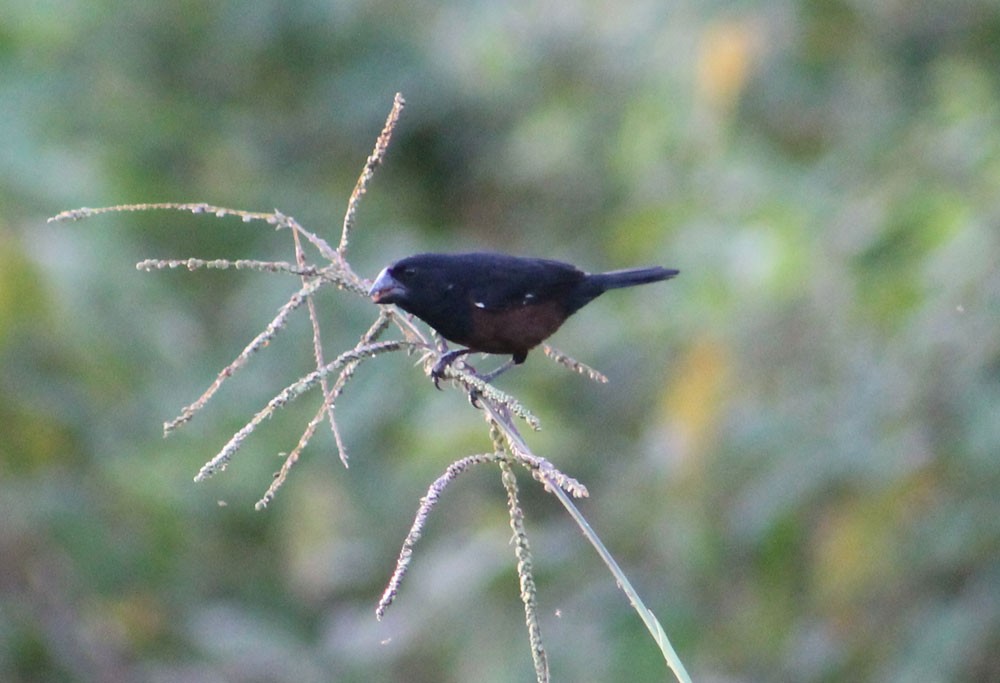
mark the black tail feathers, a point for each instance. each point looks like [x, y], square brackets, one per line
[597, 283]
[631, 277]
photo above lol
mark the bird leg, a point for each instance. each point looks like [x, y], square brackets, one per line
[493, 374]
[489, 377]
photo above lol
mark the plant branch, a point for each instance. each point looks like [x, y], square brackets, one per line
[499, 408]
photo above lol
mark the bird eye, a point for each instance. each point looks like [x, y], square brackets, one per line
[406, 271]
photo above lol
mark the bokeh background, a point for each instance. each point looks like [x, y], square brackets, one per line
[797, 459]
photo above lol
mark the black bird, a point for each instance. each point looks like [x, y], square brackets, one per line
[495, 303]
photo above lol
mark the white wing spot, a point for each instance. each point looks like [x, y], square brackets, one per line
[479, 304]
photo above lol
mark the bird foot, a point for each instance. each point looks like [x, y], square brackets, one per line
[446, 359]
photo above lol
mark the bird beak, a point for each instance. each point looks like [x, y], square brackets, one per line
[386, 289]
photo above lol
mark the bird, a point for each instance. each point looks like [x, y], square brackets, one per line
[496, 303]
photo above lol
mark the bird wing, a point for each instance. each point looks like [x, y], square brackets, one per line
[511, 283]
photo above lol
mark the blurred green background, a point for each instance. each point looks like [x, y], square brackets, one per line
[797, 459]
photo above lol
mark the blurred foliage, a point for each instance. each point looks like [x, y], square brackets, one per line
[797, 459]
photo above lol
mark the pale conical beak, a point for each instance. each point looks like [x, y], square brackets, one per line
[386, 289]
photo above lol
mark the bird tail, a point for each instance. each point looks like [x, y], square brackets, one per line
[631, 277]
